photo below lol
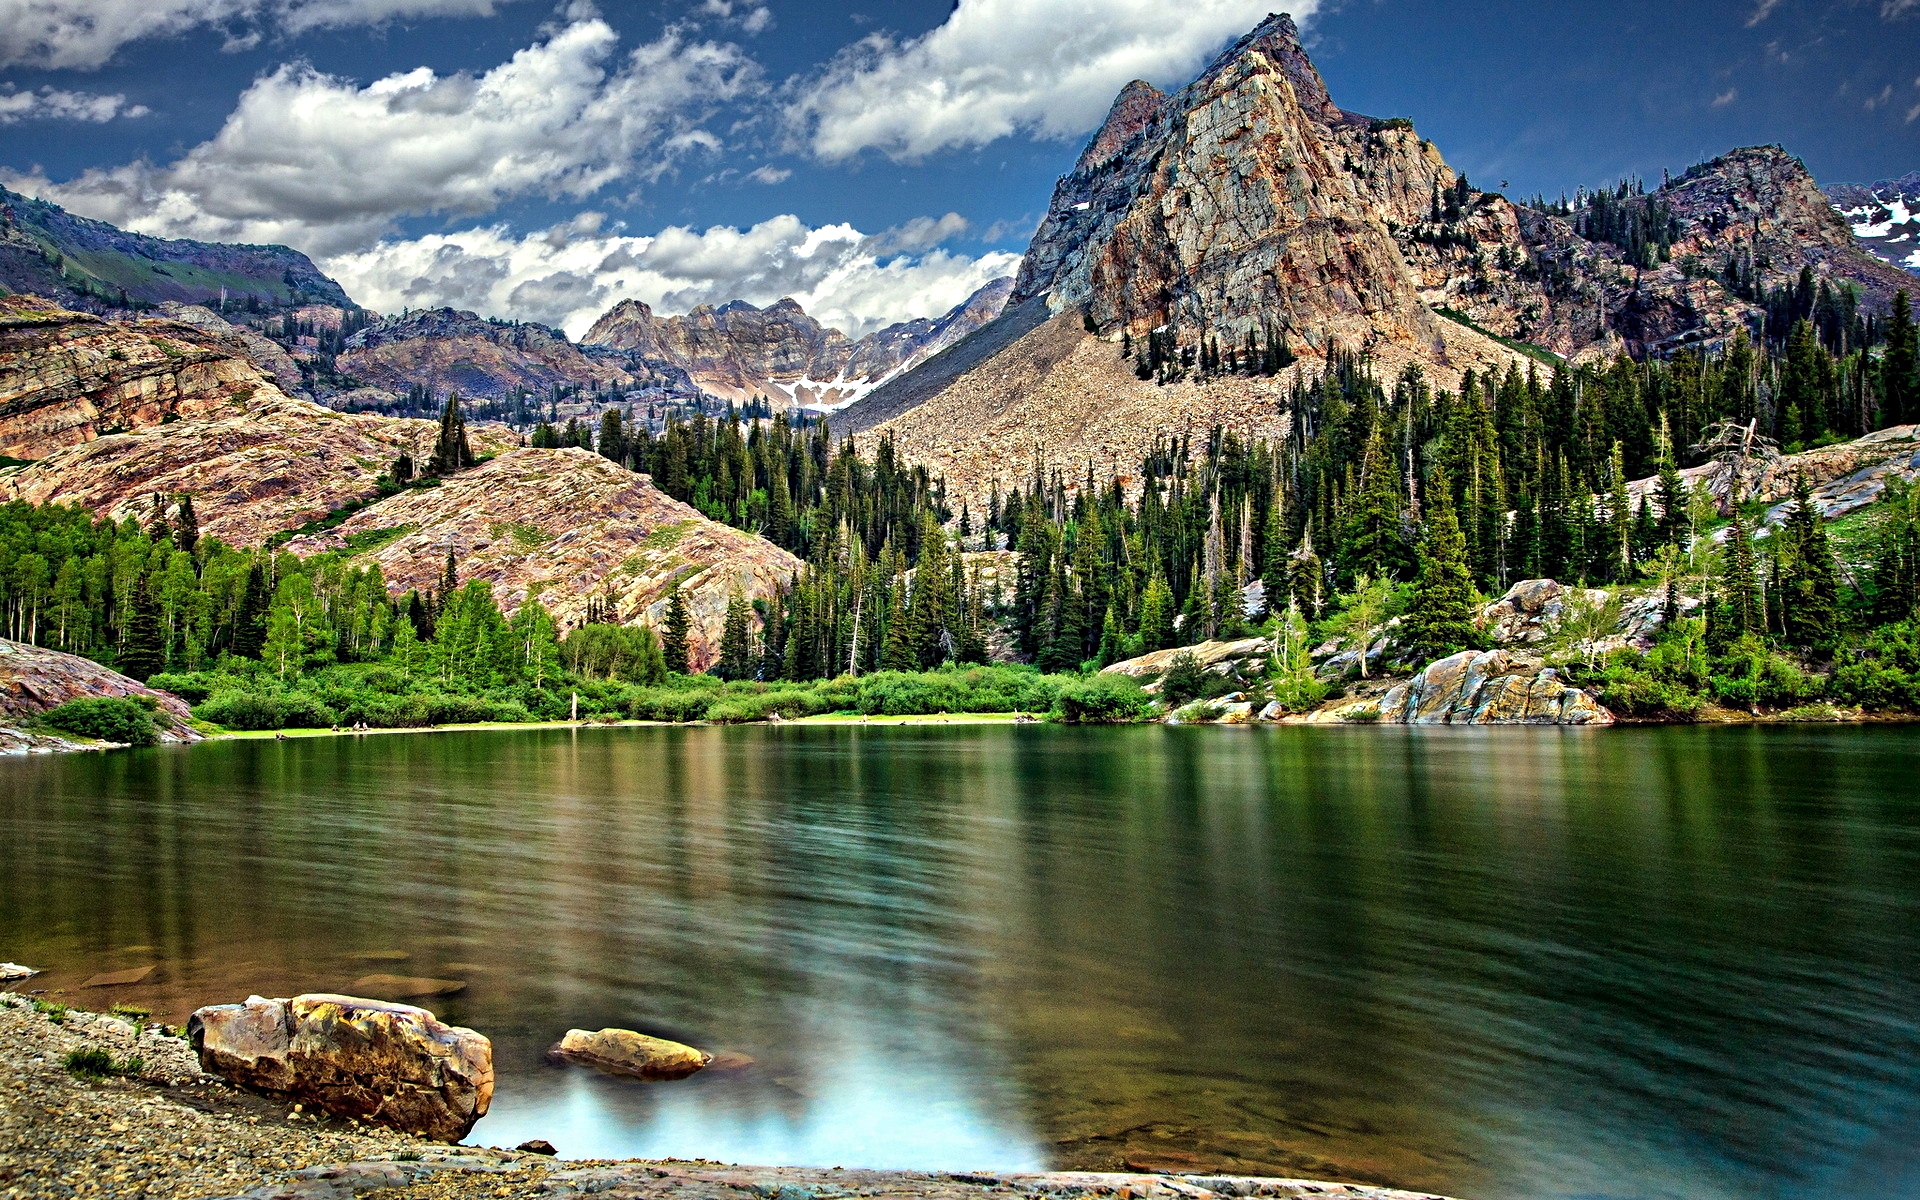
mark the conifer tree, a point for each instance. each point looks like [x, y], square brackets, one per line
[1439, 619]
[673, 638]
[736, 641]
[186, 524]
[899, 652]
[451, 452]
[1371, 538]
[144, 652]
[1900, 366]
[1810, 585]
[1742, 611]
[1156, 615]
[250, 623]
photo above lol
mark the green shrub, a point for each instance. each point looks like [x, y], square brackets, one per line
[1101, 700]
[57, 1013]
[191, 686]
[92, 1062]
[1632, 693]
[109, 718]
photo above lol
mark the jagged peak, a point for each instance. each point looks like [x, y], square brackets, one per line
[1137, 106]
[1277, 39]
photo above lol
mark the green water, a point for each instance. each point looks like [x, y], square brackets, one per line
[1505, 963]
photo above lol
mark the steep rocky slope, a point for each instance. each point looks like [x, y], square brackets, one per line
[47, 251]
[67, 377]
[573, 527]
[1885, 217]
[34, 679]
[259, 466]
[737, 351]
[448, 350]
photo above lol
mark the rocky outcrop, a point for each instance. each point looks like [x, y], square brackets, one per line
[34, 679]
[259, 464]
[1480, 688]
[387, 1064]
[69, 377]
[1885, 217]
[1241, 659]
[1846, 475]
[267, 355]
[635, 1055]
[1532, 610]
[739, 352]
[572, 527]
[47, 251]
[446, 350]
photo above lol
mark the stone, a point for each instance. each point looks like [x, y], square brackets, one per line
[624, 1052]
[1273, 711]
[389, 1064]
[11, 971]
[119, 978]
[1484, 688]
[406, 987]
[537, 1146]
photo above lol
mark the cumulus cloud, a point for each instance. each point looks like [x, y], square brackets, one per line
[749, 17]
[327, 165]
[569, 275]
[84, 34]
[1049, 68]
[51, 104]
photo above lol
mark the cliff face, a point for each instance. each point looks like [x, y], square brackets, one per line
[447, 350]
[571, 526]
[737, 351]
[68, 377]
[47, 251]
[1235, 205]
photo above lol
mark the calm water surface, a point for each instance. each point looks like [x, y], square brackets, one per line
[1508, 963]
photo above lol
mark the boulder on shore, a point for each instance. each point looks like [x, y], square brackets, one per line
[389, 1064]
[1480, 688]
[624, 1052]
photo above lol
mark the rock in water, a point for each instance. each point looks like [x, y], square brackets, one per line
[12, 971]
[624, 1052]
[391, 1064]
[406, 987]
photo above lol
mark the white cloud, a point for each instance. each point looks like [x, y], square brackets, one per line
[997, 67]
[749, 16]
[326, 165]
[1725, 98]
[51, 104]
[569, 275]
[83, 34]
[769, 174]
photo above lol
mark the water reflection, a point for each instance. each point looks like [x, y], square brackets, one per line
[1496, 963]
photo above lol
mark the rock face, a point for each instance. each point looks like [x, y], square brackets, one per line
[260, 464]
[1845, 475]
[1885, 217]
[624, 1052]
[574, 527]
[1487, 688]
[68, 377]
[447, 350]
[33, 680]
[267, 355]
[390, 1064]
[737, 351]
[48, 251]
[1237, 658]
[1230, 208]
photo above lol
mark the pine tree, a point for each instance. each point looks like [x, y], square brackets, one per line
[1810, 585]
[1741, 603]
[1900, 366]
[1371, 538]
[451, 452]
[1156, 615]
[736, 641]
[673, 639]
[144, 652]
[1439, 619]
[250, 623]
[186, 525]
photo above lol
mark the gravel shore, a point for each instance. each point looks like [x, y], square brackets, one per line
[155, 1126]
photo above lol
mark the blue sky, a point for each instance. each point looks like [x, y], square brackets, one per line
[877, 161]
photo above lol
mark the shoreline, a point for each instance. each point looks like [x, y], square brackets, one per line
[167, 1131]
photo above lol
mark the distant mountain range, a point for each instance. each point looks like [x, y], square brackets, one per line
[1885, 217]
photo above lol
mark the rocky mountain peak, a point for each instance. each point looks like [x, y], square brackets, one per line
[1274, 47]
[1138, 106]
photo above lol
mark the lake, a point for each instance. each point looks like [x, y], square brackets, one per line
[1676, 962]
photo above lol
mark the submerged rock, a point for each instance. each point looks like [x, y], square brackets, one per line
[406, 987]
[1488, 688]
[390, 1064]
[624, 1052]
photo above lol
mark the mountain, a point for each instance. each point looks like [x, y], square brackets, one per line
[1248, 216]
[1885, 217]
[447, 350]
[81, 263]
[737, 351]
[575, 528]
